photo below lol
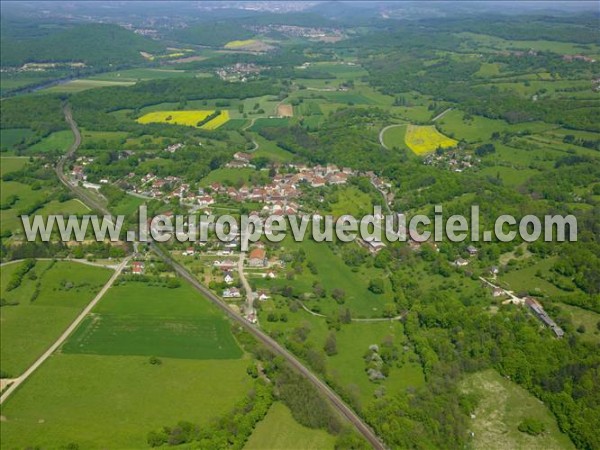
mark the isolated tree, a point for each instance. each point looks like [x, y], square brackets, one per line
[330, 346]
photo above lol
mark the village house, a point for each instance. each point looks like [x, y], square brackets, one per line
[188, 252]
[137, 268]
[472, 250]
[257, 257]
[372, 244]
[460, 262]
[231, 293]
[263, 295]
[228, 277]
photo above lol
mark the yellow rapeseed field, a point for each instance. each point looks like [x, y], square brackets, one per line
[189, 118]
[237, 44]
[217, 121]
[425, 139]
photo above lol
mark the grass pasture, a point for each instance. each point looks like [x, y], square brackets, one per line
[394, 136]
[279, 430]
[114, 401]
[58, 142]
[9, 137]
[11, 164]
[30, 327]
[426, 139]
[503, 406]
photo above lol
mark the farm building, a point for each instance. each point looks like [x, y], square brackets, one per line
[539, 311]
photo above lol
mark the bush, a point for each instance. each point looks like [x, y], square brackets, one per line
[532, 426]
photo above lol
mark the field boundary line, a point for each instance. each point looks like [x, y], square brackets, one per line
[63, 337]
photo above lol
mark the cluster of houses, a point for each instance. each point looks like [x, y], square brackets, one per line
[318, 33]
[281, 194]
[455, 161]
[238, 72]
[78, 172]
[461, 262]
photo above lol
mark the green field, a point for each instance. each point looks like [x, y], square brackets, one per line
[348, 366]
[104, 334]
[114, 401]
[279, 430]
[261, 123]
[85, 84]
[583, 317]
[141, 74]
[394, 137]
[138, 319]
[11, 164]
[32, 326]
[58, 142]
[232, 176]
[527, 279]
[351, 200]
[9, 137]
[502, 407]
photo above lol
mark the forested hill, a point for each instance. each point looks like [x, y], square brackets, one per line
[93, 44]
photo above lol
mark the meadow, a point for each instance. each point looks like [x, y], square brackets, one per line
[503, 405]
[279, 430]
[394, 136]
[189, 118]
[58, 142]
[9, 137]
[46, 305]
[11, 164]
[426, 139]
[114, 401]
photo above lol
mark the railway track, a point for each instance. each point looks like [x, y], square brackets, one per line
[339, 405]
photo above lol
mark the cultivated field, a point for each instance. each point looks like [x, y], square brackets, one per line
[285, 110]
[137, 319]
[426, 139]
[239, 44]
[189, 118]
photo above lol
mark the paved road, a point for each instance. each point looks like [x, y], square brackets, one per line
[249, 294]
[383, 130]
[80, 261]
[63, 337]
[270, 343]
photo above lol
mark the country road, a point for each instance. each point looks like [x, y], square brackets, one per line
[16, 382]
[384, 129]
[266, 340]
[442, 114]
